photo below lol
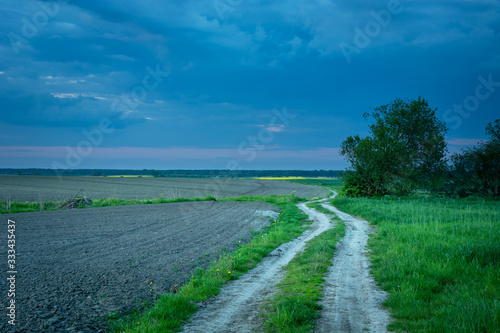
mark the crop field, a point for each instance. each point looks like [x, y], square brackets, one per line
[52, 188]
[76, 268]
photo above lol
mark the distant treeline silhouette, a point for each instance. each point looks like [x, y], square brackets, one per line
[173, 173]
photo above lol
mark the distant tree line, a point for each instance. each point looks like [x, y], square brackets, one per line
[406, 152]
[174, 173]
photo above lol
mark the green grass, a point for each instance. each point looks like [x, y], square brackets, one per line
[438, 258]
[23, 207]
[319, 208]
[295, 304]
[172, 309]
[331, 184]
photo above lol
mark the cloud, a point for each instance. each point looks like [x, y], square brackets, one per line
[464, 142]
[275, 128]
[227, 74]
[66, 95]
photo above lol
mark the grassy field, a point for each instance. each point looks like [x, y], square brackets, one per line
[438, 258]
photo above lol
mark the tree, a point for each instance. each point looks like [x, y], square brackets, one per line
[476, 170]
[405, 151]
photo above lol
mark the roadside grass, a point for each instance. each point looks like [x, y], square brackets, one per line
[8, 207]
[295, 305]
[24, 207]
[172, 309]
[438, 258]
[319, 208]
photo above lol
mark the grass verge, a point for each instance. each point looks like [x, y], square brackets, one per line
[295, 304]
[9, 207]
[319, 208]
[172, 309]
[438, 258]
[24, 207]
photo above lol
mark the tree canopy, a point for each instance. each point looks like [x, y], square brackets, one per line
[476, 170]
[405, 150]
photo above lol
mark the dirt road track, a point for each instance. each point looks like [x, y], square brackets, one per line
[352, 300]
[236, 308]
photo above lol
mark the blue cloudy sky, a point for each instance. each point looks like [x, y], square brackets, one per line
[233, 83]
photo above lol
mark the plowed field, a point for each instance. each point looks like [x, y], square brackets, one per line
[74, 267]
[47, 188]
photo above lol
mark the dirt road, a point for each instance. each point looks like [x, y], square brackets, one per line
[237, 307]
[352, 301]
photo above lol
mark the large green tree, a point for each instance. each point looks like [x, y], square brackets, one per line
[405, 151]
[476, 170]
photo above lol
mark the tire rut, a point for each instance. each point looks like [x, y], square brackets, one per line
[236, 308]
[352, 302]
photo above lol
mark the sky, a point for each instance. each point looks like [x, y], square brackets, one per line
[234, 84]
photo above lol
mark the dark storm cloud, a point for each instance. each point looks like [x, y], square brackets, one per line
[229, 66]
